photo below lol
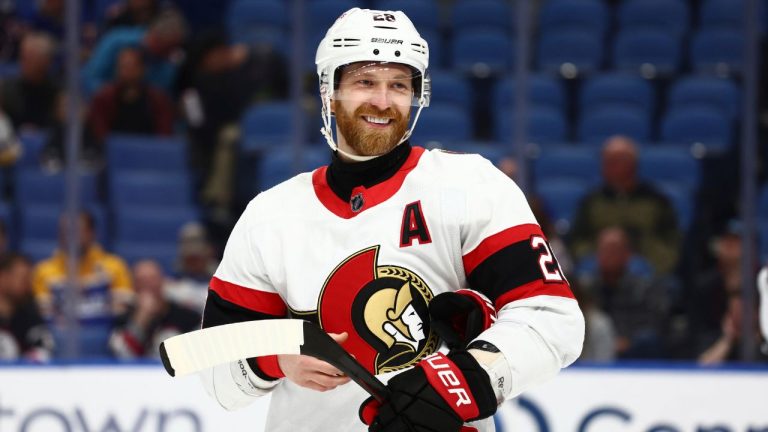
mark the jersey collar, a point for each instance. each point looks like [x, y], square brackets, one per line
[362, 198]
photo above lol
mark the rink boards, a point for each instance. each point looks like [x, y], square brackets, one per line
[142, 398]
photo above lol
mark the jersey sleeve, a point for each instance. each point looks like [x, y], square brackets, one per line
[240, 290]
[505, 253]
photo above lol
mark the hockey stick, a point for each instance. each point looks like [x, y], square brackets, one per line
[202, 349]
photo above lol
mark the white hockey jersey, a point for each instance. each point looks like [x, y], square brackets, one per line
[370, 266]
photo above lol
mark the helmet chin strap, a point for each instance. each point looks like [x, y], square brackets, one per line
[326, 131]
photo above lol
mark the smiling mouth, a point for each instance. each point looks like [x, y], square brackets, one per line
[378, 121]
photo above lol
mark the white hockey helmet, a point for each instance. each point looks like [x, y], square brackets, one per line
[371, 35]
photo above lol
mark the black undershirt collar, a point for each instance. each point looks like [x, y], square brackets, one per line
[343, 176]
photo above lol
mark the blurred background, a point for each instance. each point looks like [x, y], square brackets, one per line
[134, 132]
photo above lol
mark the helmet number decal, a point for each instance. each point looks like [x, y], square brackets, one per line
[384, 17]
[546, 259]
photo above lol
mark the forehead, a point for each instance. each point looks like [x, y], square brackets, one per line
[380, 70]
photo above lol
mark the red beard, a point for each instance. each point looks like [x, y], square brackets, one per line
[366, 140]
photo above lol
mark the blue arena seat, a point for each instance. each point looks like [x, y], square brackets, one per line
[421, 12]
[681, 196]
[266, 125]
[561, 198]
[617, 89]
[719, 93]
[151, 224]
[670, 16]
[595, 126]
[38, 226]
[670, 164]
[697, 124]
[482, 52]
[568, 163]
[762, 202]
[717, 51]
[589, 15]
[651, 52]
[542, 90]
[34, 186]
[321, 14]
[580, 48]
[247, 15]
[470, 15]
[32, 143]
[149, 189]
[722, 14]
[546, 125]
[277, 165]
[442, 123]
[146, 153]
[449, 87]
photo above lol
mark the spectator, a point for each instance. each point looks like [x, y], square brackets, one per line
[196, 265]
[52, 158]
[637, 304]
[633, 204]
[133, 13]
[153, 318]
[104, 283]
[10, 146]
[217, 83]
[600, 335]
[23, 333]
[130, 105]
[159, 43]
[716, 305]
[29, 99]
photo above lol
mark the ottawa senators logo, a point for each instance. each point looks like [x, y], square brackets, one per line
[383, 308]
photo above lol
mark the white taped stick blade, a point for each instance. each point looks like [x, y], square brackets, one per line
[192, 352]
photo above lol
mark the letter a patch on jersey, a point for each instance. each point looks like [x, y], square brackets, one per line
[414, 226]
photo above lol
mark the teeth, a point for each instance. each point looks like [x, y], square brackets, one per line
[377, 120]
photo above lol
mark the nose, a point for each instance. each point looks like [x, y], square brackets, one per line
[380, 97]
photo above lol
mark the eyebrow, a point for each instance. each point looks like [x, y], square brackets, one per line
[400, 76]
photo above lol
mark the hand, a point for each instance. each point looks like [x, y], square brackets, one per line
[459, 317]
[439, 394]
[147, 308]
[312, 373]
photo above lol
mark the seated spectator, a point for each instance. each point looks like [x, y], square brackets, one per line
[23, 333]
[130, 105]
[53, 154]
[159, 43]
[104, 282]
[218, 81]
[637, 305]
[716, 303]
[10, 146]
[29, 99]
[152, 319]
[600, 335]
[635, 205]
[196, 265]
[132, 13]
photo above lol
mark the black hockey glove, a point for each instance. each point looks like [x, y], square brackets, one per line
[439, 394]
[459, 317]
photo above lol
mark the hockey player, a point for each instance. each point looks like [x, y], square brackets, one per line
[376, 248]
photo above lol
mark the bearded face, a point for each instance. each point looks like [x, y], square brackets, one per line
[372, 106]
[370, 131]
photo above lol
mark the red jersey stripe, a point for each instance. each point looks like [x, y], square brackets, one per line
[255, 300]
[497, 242]
[533, 289]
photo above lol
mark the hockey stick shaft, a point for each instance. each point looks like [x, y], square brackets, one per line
[202, 349]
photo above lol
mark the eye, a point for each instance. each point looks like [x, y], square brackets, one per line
[400, 86]
[365, 82]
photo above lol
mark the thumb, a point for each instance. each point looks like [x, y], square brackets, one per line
[340, 338]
